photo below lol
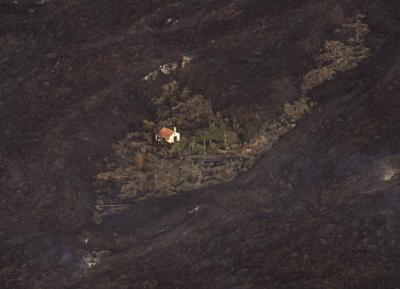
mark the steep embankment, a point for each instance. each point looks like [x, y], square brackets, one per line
[319, 210]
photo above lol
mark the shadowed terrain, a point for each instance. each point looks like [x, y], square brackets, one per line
[319, 209]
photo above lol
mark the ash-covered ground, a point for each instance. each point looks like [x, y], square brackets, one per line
[318, 208]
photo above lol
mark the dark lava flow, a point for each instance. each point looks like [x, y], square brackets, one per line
[319, 210]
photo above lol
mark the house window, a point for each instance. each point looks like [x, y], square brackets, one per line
[175, 138]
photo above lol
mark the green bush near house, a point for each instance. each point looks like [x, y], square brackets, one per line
[213, 148]
[185, 94]
[197, 148]
[179, 146]
[195, 145]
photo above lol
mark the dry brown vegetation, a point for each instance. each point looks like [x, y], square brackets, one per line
[338, 56]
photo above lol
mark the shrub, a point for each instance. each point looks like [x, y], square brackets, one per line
[296, 110]
[185, 94]
[179, 146]
[338, 56]
[148, 125]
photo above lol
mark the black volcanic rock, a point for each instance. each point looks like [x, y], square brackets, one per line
[320, 209]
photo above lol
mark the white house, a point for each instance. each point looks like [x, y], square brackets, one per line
[168, 135]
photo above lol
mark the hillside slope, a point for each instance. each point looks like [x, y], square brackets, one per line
[319, 208]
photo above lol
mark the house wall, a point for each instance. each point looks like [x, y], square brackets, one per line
[171, 138]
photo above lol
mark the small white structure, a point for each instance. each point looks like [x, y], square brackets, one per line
[168, 135]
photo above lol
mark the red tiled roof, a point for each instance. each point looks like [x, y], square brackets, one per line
[165, 132]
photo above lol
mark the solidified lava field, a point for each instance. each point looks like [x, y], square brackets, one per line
[320, 208]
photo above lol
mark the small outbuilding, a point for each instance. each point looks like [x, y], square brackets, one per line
[168, 135]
